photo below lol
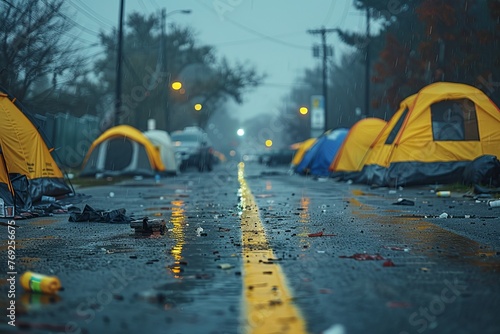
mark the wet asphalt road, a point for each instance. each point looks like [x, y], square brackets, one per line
[431, 275]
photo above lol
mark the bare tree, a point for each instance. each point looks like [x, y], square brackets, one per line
[35, 47]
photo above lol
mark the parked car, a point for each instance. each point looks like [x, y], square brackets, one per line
[193, 149]
[277, 157]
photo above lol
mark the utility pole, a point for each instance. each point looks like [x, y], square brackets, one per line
[323, 33]
[118, 92]
[367, 66]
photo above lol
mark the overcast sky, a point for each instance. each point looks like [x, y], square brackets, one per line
[269, 34]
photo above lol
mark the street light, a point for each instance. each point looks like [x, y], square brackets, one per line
[198, 106]
[163, 49]
[240, 132]
[176, 85]
[303, 110]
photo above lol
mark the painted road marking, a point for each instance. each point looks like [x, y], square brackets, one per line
[268, 303]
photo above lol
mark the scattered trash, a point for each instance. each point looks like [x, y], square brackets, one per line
[320, 234]
[443, 215]
[48, 199]
[199, 230]
[363, 257]
[397, 248]
[494, 204]
[225, 266]
[34, 282]
[402, 201]
[388, 263]
[149, 226]
[111, 194]
[90, 214]
[443, 194]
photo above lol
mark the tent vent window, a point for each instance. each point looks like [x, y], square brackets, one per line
[396, 128]
[454, 120]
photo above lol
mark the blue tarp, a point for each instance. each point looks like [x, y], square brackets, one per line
[317, 160]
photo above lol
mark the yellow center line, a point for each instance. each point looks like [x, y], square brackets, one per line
[268, 304]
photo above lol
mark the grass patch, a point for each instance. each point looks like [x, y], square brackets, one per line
[86, 182]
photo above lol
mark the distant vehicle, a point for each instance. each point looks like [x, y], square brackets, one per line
[277, 157]
[193, 149]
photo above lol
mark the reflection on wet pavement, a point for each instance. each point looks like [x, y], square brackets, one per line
[178, 219]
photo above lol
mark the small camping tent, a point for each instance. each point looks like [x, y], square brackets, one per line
[303, 147]
[433, 136]
[162, 141]
[318, 158]
[349, 160]
[122, 150]
[27, 169]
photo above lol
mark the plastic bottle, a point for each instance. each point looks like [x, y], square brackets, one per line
[34, 282]
[48, 199]
[2, 208]
[443, 194]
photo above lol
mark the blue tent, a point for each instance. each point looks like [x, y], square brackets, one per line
[317, 160]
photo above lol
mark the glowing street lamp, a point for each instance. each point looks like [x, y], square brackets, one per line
[240, 132]
[303, 110]
[176, 85]
[269, 143]
[198, 106]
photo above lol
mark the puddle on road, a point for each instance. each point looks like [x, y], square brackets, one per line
[433, 240]
[178, 219]
[36, 301]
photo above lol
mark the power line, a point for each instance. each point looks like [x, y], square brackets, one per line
[255, 32]
[83, 28]
[88, 12]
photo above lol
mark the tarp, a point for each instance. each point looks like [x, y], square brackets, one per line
[122, 150]
[27, 168]
[162, 141]
[349, 160]
[319, 157]
[433, 136]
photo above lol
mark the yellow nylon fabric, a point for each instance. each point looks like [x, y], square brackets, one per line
[135, 135]
[415, 142]
[24, 149]
[357, 145]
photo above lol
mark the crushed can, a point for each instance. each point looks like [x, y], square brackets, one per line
[40, 283]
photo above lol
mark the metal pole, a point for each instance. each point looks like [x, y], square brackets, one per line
[325, 89]
[367, 66]
[323, 33]
[118, 93]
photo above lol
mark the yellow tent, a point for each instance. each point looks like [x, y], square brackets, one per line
[122, 150]
[302, 149]
[356, 146]
[433, 136]
[27, 169]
